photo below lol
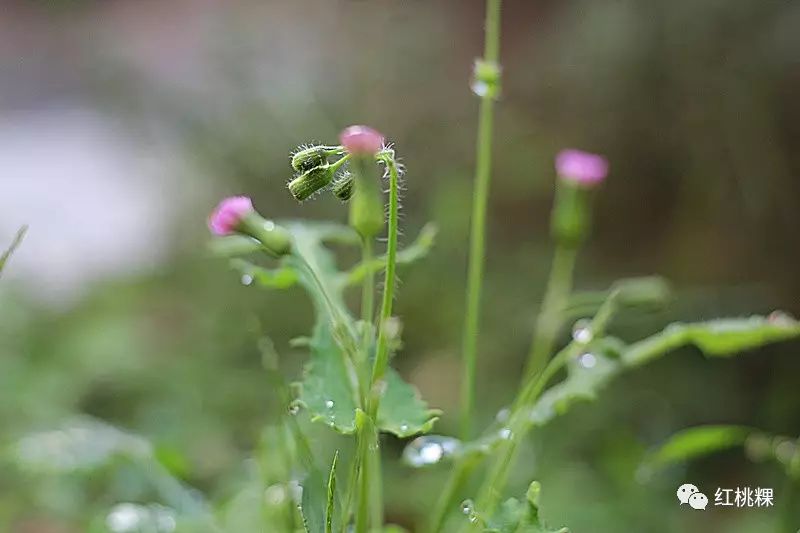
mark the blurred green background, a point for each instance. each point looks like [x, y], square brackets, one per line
[123, 122]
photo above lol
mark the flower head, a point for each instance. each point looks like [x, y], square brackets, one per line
[229, 214]
[361, 140]
[581, 168]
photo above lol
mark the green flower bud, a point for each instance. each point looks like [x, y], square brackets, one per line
[311, 181]
[570, 219]
[343, 187]
[366, 208]
[310, 157]
[276, 240]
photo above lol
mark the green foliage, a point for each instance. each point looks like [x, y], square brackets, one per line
[515, 516]
[697, 442]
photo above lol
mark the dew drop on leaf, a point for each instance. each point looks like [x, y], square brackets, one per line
[582, 331]
[247, 279]
[503, 414]
[294, 408]
[587, 360]
[429, 450]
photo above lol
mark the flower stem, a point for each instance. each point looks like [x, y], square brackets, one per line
[520, 422]
[550, 318]
[478, 224]
[370, 506]
[382, 351]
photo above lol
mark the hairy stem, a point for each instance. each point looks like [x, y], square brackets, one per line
[478, 224]
[382, 350]
[370, 507]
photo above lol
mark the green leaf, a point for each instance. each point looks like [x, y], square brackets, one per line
[582, 384]
[514, 516]
[402, 411]
[327, 388]
[329, 385]
[275, 278]
[78, 444]
[331, 503]
[697, 442]
[722, 337]
[417, 250]
[313, 503]
[12, 247]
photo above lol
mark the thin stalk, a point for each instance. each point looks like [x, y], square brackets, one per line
[367, 313]
[480, 198]
[550, 318]
[521, 424]
[370, 505]
[382, 351]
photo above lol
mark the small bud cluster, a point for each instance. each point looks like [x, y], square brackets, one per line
[316, 171]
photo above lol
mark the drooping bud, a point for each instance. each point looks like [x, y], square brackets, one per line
[311, 181]
[578, 173]
[361, 140]
[237, 215]
[343, 186]
[311, 156]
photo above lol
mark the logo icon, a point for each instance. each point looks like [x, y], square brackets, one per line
[688, 493]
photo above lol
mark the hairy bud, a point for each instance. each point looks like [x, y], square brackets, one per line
[311, 181]
[343, 186]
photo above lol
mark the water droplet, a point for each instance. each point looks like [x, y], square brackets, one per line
[781, 318]
[296, 490]
[269, 225]
[294, 407]
[429, 450]
[467, 507]
[480, 88]
[505, 433]
[329, 404]
[380, 387]
[503, 414]
[247, 279]
[403, 428]
[587, 360]
[130, 518]
[582, 331]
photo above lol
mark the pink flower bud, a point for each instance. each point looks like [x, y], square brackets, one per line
[581, 168]
[361, 140]
[225, 219]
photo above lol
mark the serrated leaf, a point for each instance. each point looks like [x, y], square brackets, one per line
[696, 442]
[402, 411]
[326, 390]
[329, 385]
[582, 384]
[721, 337]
